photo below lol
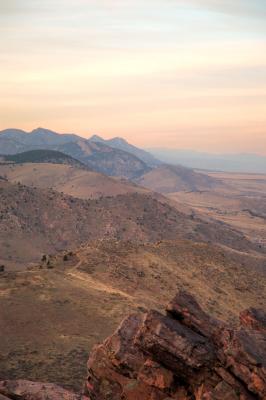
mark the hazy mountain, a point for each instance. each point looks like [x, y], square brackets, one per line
[14, 141]
[218, 162]
[99, 156]
[105, 159]
[122, 144]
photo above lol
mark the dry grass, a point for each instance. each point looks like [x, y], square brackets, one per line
[51, 318]
[68, 179]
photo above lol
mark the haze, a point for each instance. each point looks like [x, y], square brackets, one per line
[169, 73]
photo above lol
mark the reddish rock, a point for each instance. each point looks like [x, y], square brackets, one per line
[27, 390]
[253, 319]
[183, 355]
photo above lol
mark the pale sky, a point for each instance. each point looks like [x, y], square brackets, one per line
[172, 73]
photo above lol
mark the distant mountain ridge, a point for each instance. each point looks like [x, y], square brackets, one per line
[95, 154]
[32, 140]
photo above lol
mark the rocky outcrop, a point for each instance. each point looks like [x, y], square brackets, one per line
[183, 355]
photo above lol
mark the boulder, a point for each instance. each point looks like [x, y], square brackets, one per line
[183, 355]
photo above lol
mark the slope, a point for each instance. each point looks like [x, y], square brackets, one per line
[169, 179]
[69, 177]
[84, 294]
[36, 221]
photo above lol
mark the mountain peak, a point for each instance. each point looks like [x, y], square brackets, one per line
[96, 138]
[43, 131]
[118, 140]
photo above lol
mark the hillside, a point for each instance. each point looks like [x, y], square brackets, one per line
[36, 221]
[169, 179]
[67, 177]
[43, 156]
[84, 294]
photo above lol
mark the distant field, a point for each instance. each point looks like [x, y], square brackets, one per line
[240, 202]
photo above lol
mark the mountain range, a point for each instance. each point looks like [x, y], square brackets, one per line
[115, 157]
[129, 157]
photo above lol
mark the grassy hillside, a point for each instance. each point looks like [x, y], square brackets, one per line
[64, 308]
[69, 179]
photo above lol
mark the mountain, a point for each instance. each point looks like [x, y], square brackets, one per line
[251, 163]
[51, 169]
[170, 179]
[14, 141]
[122, 144]
[98, 156]
[105, 159]
[43, 156]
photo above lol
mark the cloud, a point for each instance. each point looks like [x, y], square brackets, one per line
[246, 8]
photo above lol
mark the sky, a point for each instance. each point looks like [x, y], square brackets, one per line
[161, 73]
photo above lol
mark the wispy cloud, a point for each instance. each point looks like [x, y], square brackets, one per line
[165, 65]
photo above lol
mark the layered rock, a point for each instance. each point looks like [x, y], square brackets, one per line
[183, 355]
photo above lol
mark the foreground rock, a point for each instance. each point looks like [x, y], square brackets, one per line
[27, 390]
[185, 355]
